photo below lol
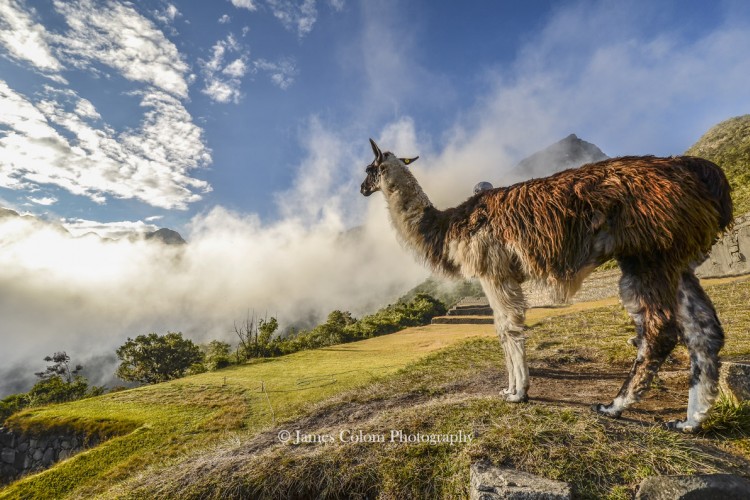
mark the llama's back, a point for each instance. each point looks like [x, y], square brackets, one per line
[630, 206]
[716, 184]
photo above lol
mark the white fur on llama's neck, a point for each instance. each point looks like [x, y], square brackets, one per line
[406, 205]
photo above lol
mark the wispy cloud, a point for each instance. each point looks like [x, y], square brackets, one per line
[281, 73]
[167, 14]
[224, 19]
[26, 40]
[244, 4]
[295, 16]
[223, 74]
[337, 5]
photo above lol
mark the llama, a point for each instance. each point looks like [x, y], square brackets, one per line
[658, 217]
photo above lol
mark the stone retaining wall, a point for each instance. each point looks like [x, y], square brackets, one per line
[21, 454]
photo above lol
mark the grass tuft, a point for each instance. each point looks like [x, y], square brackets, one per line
[728, 419]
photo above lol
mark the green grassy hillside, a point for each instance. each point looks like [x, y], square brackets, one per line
[728, 145]
[161, 423]
[214, 435]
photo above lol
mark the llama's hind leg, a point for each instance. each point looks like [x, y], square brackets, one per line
[509, 309]
[704, 338]
[649, 296]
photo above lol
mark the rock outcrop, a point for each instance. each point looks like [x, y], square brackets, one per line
[704, 487]
[494, 483]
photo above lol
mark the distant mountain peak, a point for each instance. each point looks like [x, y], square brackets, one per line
[569, 152]
[166, 236]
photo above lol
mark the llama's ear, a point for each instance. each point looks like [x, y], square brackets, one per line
[376, 150]
[408, 161]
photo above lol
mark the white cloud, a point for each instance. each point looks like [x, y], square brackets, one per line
[282, 72]
[222, 79]
[114, 230]
[26, 40]
[244, 4]
[295, 16]
[117, 36]
[44, 201]
[224, 19]
[60, 140]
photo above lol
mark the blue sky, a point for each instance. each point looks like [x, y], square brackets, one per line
[249, 83]
[243, 124]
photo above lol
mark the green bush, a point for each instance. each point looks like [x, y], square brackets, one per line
[11, 404]
[341, 327]
[56, 390]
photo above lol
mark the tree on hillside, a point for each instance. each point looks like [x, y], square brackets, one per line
[257, 338]
[217, 354]
[156, 358]
[60, 367]
[59, 383]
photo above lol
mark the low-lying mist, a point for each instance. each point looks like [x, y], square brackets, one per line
[86, 295]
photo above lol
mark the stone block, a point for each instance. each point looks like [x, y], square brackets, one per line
[38, 454]
[701, 487]
[7, 438]
[23, 447]
[493, 483]
[734, 380]
[65, 445]
[49, 457]
[8, 455]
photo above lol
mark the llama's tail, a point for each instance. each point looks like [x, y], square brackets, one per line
[717, 185]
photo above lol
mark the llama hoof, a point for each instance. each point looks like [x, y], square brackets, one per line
[682, 426]
[606, 410]
[516, 398]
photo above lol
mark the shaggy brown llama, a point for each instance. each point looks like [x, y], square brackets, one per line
[658, 217]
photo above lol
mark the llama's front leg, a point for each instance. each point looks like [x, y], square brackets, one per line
[518, 370]
[509, 307]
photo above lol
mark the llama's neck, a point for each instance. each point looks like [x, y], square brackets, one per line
[414, 218]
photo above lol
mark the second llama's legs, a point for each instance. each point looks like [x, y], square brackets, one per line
[509, 310]
[649, 294]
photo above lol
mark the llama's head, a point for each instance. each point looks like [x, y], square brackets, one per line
[384, 166]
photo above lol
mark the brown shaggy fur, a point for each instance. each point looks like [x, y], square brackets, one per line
[642, 204]
[658, 217]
